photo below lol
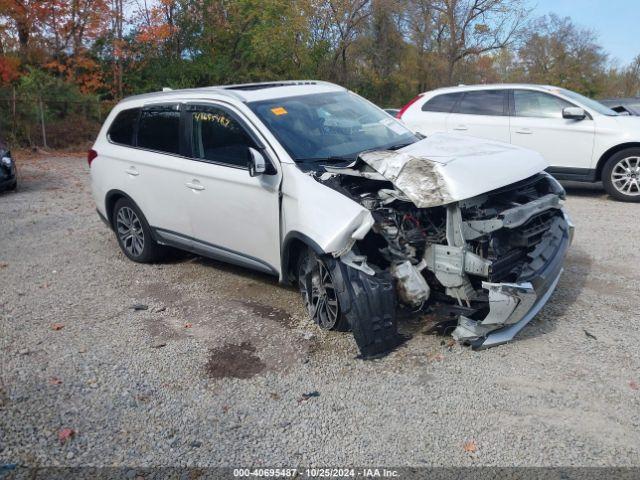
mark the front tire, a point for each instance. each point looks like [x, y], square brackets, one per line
[366, 303]
[133, 233]
[621, 175]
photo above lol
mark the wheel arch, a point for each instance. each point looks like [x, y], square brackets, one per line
[293, 244]
[609, 153]
[110, 200]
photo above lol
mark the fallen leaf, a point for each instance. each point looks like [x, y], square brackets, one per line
[634, 385]
[470, 446]
[436, 357]
[55, 381]
[159, 345]
[225, 408]
[188, 325]
[590, 335]
[307, 396]
[3, 265]
[139, 306]
[57, 326]
[451, 343]
[65, 434]
[274, 396]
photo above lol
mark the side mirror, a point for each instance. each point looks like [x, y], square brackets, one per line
[257, 164]
[574, 113]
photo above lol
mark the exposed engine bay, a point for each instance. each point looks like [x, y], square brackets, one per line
[496, 256]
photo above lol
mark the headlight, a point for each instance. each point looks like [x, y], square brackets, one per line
[6, 161]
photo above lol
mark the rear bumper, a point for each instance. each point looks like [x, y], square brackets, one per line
[513, 305]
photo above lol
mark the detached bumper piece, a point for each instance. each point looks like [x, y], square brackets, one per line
[513, 305]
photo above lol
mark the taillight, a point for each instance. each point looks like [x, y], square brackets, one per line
[411, 102]
[91, 155]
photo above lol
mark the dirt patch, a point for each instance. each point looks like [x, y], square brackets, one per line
[234, 361]
[270, 312]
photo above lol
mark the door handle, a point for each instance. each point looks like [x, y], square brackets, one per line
[132, 171]
[194, 185]
[461, 127]
[524, 131]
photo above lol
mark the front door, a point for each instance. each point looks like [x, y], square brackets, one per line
[537, 123]
[234, 217]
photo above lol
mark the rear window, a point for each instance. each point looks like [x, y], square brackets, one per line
[483, 102]
[441, 103]
[159, 129]
[123, 127]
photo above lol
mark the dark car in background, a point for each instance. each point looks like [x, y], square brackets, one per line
[8, 180]
[630, 106]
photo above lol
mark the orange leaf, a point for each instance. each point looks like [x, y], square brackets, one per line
[55, 381]
[188, 325]
[57, 326]
[65, 434]
[634, 385]
[470, 446]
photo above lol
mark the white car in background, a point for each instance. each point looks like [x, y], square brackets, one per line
[580, 138]
[311, 183]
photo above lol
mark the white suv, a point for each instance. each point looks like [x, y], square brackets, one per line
[310, 182]
[580, 138]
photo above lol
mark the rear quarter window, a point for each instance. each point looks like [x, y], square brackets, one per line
[441, 103]
[123, 128]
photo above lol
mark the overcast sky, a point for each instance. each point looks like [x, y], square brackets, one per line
[615, 21]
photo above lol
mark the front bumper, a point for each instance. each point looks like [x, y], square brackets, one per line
[513, 305]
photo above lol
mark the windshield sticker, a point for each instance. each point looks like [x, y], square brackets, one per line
[210, 117]
[279, 111]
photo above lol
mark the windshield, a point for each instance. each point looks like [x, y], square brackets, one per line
[325, 126]
[589, 103]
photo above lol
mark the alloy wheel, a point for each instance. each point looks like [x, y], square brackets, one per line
[319, 294]
[625, 176]
[130, 231]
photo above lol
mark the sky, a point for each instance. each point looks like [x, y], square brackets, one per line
[615, 21]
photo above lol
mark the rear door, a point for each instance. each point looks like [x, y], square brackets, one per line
[234, 217]
[537, 123]
[150, 171]
[481, 113]
[431, 117]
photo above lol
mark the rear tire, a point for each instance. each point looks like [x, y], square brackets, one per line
[367, 304]
[621, 175]
[133, 233]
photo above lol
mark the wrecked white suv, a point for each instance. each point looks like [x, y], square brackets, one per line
[314, 184]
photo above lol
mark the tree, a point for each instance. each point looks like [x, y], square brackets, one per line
[556, 51]
[473, 27]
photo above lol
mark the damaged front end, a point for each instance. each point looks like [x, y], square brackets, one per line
[496, 255]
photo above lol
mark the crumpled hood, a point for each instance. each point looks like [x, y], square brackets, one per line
[445, 168]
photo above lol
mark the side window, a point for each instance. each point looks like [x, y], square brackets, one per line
[528, 103]
[441, 103]
[218, 137]
[159, 129]
[483, 102]
[123, 127]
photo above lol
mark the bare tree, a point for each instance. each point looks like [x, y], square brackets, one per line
[472, 27]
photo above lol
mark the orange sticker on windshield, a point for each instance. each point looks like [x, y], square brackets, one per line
[279, 111]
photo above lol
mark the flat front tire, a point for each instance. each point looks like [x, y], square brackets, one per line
[621, 175]
[366, 304]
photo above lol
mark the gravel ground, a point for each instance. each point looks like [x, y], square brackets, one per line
[214, 371]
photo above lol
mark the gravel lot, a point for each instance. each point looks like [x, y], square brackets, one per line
[214, 371]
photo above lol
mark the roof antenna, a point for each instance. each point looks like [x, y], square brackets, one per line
[167, 89]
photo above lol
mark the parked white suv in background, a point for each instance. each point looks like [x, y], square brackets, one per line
[580, 138]
[314, 184]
